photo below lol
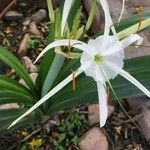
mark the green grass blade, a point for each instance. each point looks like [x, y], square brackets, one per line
[51, 11]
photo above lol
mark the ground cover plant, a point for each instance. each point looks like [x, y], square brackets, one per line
[48, 76]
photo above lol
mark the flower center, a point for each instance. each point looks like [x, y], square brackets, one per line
[98, 58]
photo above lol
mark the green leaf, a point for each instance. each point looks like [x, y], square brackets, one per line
[9, 84]
[73, 11]
[132, 20]
[91, 16]
[7, 116]
[46, 60]
[76, 23]
[12, 61]
[52, 73]
[9, 96]
[51, 11]
[58, 24]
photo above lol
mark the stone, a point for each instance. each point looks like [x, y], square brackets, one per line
[9, 106]
[94, 113]
[39, 15]
[144, 121]
[33, 77]
[94, 139]
[13, 15]
[27, 62]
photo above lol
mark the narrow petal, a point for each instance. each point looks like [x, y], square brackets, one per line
[47, 96]
[74, 43]
[127, 76]
[108, 19]
[131, 39]
[103, 109]
[122, 10]
[66, 9]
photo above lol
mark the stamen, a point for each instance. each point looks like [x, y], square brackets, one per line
[139, 10]
[98, 58]
[73, 80]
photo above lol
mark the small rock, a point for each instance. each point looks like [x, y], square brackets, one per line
[33, 77]
[39, 15]
[13, 16]
[24, 45]
[27, 62]
[94, 112]
[94, 139]
[144, 120]
[9, 106]
[33, 29]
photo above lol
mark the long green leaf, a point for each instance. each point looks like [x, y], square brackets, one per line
[12, 61]
[9, 96]
[9, 84]
[51, 11]
[7, 116]
[52, 73]
[91, 16]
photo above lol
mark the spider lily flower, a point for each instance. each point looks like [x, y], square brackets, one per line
[102, 59]
[100, 63]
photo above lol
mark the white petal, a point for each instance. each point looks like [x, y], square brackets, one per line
[108, 20]
[103, 108]
[131, 39]
[48, 95]
[66, 9]
[122, 10]
[127, 76]
[74, 43]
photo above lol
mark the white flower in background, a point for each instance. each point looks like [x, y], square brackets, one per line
[102, 59]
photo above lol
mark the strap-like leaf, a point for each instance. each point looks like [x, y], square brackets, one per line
[7, 116]
[10, 96]
[12, 61]
[9, 84]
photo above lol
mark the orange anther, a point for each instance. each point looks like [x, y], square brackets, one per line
[73, 80]
[139, 10]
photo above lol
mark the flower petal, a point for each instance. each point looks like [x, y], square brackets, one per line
[127, 76]
[103, 109]
[108, 20]
[131, 39]
[74, 43]
[122, 10]
[48, 95]
[66, 9]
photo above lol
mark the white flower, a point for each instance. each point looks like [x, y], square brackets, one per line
[98, 58]
[102, 59]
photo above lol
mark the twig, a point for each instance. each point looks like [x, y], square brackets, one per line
[30, 135]
[7, 8]
[26, 138]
